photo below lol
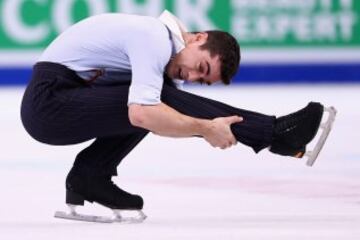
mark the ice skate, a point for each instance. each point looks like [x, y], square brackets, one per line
[295, 131]
[100, 189]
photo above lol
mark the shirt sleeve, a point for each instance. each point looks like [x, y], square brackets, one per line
[149, 53]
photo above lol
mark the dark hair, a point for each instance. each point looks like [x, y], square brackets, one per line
[227, 48]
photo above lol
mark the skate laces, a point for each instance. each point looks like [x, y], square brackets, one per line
[299, 128]
[289, 122]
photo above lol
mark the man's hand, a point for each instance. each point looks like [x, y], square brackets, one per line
[219, 134]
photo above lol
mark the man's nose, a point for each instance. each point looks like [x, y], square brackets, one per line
[195, 75]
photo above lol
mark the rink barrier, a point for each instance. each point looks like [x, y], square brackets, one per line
[247, 74]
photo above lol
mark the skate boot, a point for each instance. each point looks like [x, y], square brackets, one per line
[293, 132]
[81, 187]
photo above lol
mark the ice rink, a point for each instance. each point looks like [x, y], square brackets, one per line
[191, 190]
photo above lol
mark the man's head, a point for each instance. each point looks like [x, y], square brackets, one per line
[207, 58]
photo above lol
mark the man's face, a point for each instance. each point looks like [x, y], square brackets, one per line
[193, 64]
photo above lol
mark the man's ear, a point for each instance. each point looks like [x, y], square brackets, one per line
[201, 37]
[198, 38]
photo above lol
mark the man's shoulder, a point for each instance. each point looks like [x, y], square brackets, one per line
[152, 35]
[149, 27]
[128, 22]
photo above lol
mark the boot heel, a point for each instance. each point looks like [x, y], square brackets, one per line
[74, 198]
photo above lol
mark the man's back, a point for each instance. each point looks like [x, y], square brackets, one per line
[103, 41]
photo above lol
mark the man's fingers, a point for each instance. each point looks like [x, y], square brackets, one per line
[225, 145]
[234, 119]
[232, 140]
[229, 144]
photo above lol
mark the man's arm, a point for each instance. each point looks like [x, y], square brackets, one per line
[166, 121]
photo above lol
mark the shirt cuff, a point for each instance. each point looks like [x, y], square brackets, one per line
[144, 95]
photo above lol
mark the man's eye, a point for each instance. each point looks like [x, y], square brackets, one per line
[201, 68]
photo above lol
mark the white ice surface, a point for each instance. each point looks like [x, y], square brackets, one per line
[191, 190]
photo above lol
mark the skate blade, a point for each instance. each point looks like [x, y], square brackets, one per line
[326, 128]
[117, 217]
[82, 217]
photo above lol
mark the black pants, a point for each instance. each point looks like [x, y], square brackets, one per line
[59, 108]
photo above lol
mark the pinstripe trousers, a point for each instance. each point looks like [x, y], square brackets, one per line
[60, 108]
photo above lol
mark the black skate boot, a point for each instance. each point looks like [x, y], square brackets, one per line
[294, 131]
[81, 186]
[100, 189]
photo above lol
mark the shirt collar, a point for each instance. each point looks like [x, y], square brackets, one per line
[176, 28]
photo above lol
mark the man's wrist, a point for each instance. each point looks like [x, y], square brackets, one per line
[202, 126]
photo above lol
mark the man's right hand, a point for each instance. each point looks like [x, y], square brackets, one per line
[219, 134]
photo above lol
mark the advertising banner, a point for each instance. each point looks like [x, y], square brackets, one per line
[272, 33]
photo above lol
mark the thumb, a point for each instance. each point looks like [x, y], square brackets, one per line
[234, 119]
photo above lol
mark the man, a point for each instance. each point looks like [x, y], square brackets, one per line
[115, 77]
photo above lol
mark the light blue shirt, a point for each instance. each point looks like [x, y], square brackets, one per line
[123, 47]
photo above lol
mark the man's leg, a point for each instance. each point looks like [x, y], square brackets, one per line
[59, 108]
[256, 129]
[287, 135]
[104, 155]
[90, 177]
